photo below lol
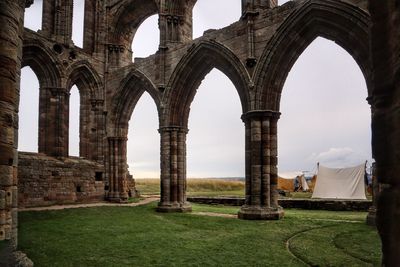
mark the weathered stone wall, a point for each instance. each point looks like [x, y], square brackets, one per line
[45, 180]
[11, 21]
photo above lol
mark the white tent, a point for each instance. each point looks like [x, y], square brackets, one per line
[292, 176]
[346, 183]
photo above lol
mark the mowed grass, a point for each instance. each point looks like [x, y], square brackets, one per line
[196, 187]
[139, 236]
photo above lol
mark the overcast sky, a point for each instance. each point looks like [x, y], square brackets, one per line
[325, 117]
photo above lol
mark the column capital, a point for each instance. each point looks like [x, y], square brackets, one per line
[96, 104]
[259, 114]
[381, 100]
[56, 90]
[179, 129]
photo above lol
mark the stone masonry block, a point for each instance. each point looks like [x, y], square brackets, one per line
[6, 177]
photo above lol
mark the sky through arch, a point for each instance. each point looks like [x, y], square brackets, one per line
[215, 142]
[144, 140]
[325, 116]
[147, 38]
[74, 121]
[28, 111]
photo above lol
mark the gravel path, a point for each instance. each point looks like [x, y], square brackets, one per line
[90, 205]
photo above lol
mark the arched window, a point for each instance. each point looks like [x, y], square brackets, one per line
[74, 121]
[147, 38]
[215, 143]
[77, 22]
[28, 111]
[33, 16]
[325, 117]
[144, 140]
[207, 15]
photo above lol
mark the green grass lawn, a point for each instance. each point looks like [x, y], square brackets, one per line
[139, 236]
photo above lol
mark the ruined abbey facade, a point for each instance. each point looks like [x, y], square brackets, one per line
[256, 53]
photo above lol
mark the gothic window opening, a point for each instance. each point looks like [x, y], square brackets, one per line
[77, 22]
[28, 111]
[74, 121]
[147, 38]
[144, 140]
[33, 16]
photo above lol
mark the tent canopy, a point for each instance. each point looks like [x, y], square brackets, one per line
[345, 183]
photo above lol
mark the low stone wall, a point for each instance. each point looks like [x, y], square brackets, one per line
[310, 204]
[44, 180]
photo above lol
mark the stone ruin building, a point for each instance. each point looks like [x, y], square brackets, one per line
[256, 53]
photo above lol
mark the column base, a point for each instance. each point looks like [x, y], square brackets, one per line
[174, 207]
[371, 217]
[117, 197]
[260, 213]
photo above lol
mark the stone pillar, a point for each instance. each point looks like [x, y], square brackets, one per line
[117, 169]
[53, 121]
[175, 21]
[57, 20]
[371, 217]
[173, 170]
[11, 19]
[385, 105]
[97, 132]
[175, 24]
[261, 167]
[95, 29]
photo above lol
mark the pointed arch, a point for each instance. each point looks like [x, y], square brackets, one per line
[128, 16]
[341, 22]
[191, 70]
[128, 94]
[90, 88]
[41, 59]
[86, 78]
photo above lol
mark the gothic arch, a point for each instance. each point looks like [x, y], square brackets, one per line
[128, 94]
[192, 69]
[129, 16]
[37, 56]
[338, 21]
[86, 78]
[90, 89]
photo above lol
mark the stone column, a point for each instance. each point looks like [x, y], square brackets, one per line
[11, 19]
[261, 167]
[385, 105]
[117, 169]
[53, 121]
[57, 19]
[173, 170]
[97, 132]
[371, 217]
